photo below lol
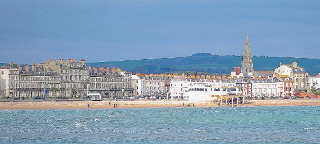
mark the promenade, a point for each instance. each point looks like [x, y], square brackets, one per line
[38, 105]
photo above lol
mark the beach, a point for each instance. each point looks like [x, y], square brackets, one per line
[21, 105]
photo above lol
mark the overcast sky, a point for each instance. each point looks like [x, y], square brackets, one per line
[107, 30]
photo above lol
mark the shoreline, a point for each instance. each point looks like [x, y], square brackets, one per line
[64, 105]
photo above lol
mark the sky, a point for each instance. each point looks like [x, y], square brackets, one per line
[32, 31]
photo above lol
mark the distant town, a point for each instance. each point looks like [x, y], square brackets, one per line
[74, 80]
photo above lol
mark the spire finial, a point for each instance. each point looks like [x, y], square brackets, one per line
[247, 37]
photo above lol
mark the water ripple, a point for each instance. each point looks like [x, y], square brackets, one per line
[163, 125]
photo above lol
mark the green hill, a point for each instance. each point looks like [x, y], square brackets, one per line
[208, 63]
[2, 64]
[204, 62]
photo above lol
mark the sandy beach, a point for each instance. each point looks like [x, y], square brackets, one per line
[145, 104]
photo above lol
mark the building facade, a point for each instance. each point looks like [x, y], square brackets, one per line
[50, 79]
[155, 86]
[72, 79]
[178, 86]
[114, 84]
[266, 88]
[4, 81]
[296, 73]
[314, 82]
[136, 85]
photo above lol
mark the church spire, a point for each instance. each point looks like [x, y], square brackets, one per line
[247, 51]
[247, 64]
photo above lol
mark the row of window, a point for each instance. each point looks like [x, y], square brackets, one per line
[215, 89]
[198, 89]
[36, 85]
[155, 88]
[106, 79]
[108, 86]
[39, 78]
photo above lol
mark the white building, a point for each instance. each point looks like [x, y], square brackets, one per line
[4, 82]
[202, 89]
[210, 91]
[265, 87]
[314, 82]
[283, 69]
[177, 87]
[136, 85]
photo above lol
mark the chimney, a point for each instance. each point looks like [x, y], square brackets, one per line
[237, 70]
[19, 67]
[102, 70]
[83, 61]
[118, 70]
[33, 68]
[11, 64]
[113, 70]
[26, 68]
[295, 64]
[95, 70]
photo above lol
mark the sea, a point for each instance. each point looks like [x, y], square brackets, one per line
[252, 125]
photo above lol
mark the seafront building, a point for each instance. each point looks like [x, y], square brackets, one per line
[314, 82]
[155, 86]
[196, 89]
[136, 85]
[266, 87]
[60, 79]
[74, 79]
[50, 79]
[202, 89]
[294, 72]
[213, 90]
[4, 81]
[114, 84]
[54, 79]
[178, 86]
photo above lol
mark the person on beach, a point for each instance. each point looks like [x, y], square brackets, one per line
[88, 105]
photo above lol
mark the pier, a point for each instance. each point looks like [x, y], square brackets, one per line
[231, 100]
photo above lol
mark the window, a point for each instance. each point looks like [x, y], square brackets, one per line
[233, 89]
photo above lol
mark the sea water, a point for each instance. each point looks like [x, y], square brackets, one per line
[299, 124]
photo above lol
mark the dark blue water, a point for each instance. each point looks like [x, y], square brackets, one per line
[163, 125]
